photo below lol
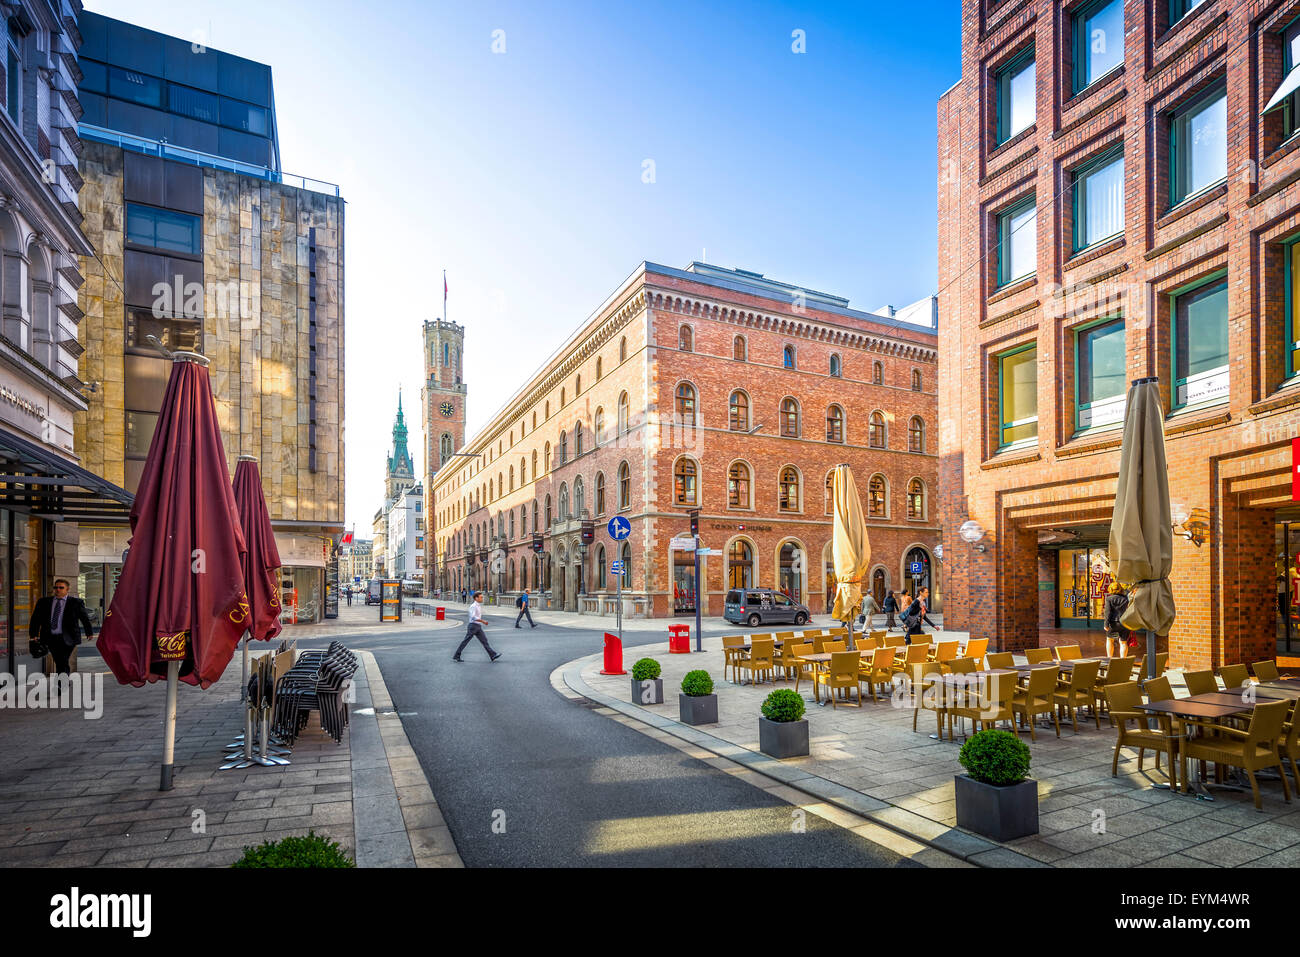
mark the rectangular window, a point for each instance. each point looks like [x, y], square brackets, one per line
[13, 88]
[1018, 242]
[192, 103]
[1198, 145]
[134, 87]
[1098, 200]
[1099, 378]
[1018, 397]
[243, 116]
[1200, 343]
[1287, 96]
[1016, 91]
[1181, 8]
[1098, 41]
[1293, 308]
[163, 229]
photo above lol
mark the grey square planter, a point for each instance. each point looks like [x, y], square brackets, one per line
[783, 739]
[698, 709]
[650, 691]
[1003, 812]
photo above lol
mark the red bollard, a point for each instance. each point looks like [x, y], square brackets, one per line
[613, 656]
[441, 614]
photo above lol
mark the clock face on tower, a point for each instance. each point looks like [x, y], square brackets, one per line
[447, 409]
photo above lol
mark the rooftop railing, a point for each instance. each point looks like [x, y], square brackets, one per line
[182, 154]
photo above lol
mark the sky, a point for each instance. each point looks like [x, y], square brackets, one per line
[539, 151]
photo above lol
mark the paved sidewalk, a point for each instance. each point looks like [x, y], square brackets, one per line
[871, 762]
[79, 792]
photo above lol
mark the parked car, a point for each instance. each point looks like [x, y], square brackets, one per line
[373, 592]
[762, 606]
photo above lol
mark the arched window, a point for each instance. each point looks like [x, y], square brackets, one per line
[512, 478]
[577, 438]
[444, 447]
[740, 564]
[789, 418]
[546, 410]
[685, 406]
[877, 497]
[523, 471]
[523, 573]
[624, 486]
[622, 414]
[876, 433]
[684, 488]
[916, 434]
[738, 351]
[834, 424]
[787, 357]
[534, 515]
[738, 485]
[548, 513]
[563, 400]
[446, 354]
[534, 419]
[790, 571]
[562, 451]
[491, 495]
[878, 373]
[789, 488]
[598, 426]
[523, 519]
[836, 369]
[622, 349]
[597, 368]
[916, 380]
[564, 502]
[828, 499]
[577, 386]
[739, 417]
[600, 566]
[685, 339]
[916, 499]
[534, 463]
[627, 564]
[512, 526]
[600, 493]
[579, 497]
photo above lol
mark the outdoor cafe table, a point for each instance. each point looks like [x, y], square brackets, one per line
[1201, 707]
[817, 660]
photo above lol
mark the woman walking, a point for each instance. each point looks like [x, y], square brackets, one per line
[1116, 634]
[915, 614]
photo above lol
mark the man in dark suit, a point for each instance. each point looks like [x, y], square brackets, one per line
[59, 622]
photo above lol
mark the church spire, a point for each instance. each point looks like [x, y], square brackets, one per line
[400, 463]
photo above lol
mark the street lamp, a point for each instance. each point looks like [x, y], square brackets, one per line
[971, 532]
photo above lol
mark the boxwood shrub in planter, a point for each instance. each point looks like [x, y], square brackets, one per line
[697, 704]
[647, 686]
[309, 851]
[783, 730]
[995, 798]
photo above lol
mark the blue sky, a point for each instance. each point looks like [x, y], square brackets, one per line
[521, 172]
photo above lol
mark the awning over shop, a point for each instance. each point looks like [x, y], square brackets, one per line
[36, 480]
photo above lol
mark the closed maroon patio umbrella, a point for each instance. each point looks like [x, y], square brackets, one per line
[180, 605]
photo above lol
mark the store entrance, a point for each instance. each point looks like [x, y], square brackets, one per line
[1082, 577]
[1286, 536]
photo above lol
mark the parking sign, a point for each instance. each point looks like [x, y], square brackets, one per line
[918, 568]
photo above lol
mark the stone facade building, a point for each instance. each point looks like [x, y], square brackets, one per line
[48, 489]
[1118, 199]
[706, 388]
[208, 251]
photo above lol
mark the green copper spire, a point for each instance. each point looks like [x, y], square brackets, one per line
[400, 462]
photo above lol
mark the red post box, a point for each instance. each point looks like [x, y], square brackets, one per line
[613, 656]
[441, 614]
[679, 639]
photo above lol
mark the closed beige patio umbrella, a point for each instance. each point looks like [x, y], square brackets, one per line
[1141, 530]
[850, 549]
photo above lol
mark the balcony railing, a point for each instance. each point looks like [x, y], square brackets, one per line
[181, 154]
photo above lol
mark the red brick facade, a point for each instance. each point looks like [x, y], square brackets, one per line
[667, 330]
[1231, 458]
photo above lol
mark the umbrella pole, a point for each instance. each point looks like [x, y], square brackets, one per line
[1151, 653]
[169, 725]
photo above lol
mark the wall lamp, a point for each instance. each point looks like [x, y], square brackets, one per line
[971, 532]
[1195, 524]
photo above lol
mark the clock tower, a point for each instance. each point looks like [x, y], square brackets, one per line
[443, 412]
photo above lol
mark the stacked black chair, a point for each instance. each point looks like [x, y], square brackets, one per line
[322, 687]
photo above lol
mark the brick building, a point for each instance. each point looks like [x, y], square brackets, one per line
[711, 388]
[1117, 199]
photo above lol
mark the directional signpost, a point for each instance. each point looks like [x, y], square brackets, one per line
[619, 528]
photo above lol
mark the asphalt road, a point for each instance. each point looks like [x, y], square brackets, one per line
[525, 777]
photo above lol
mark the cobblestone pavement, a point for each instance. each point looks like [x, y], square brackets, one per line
[869, 760]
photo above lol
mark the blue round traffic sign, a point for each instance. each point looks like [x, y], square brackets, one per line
[619, 528]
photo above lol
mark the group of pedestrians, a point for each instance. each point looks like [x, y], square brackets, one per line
[476, 621]
[913, 611]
